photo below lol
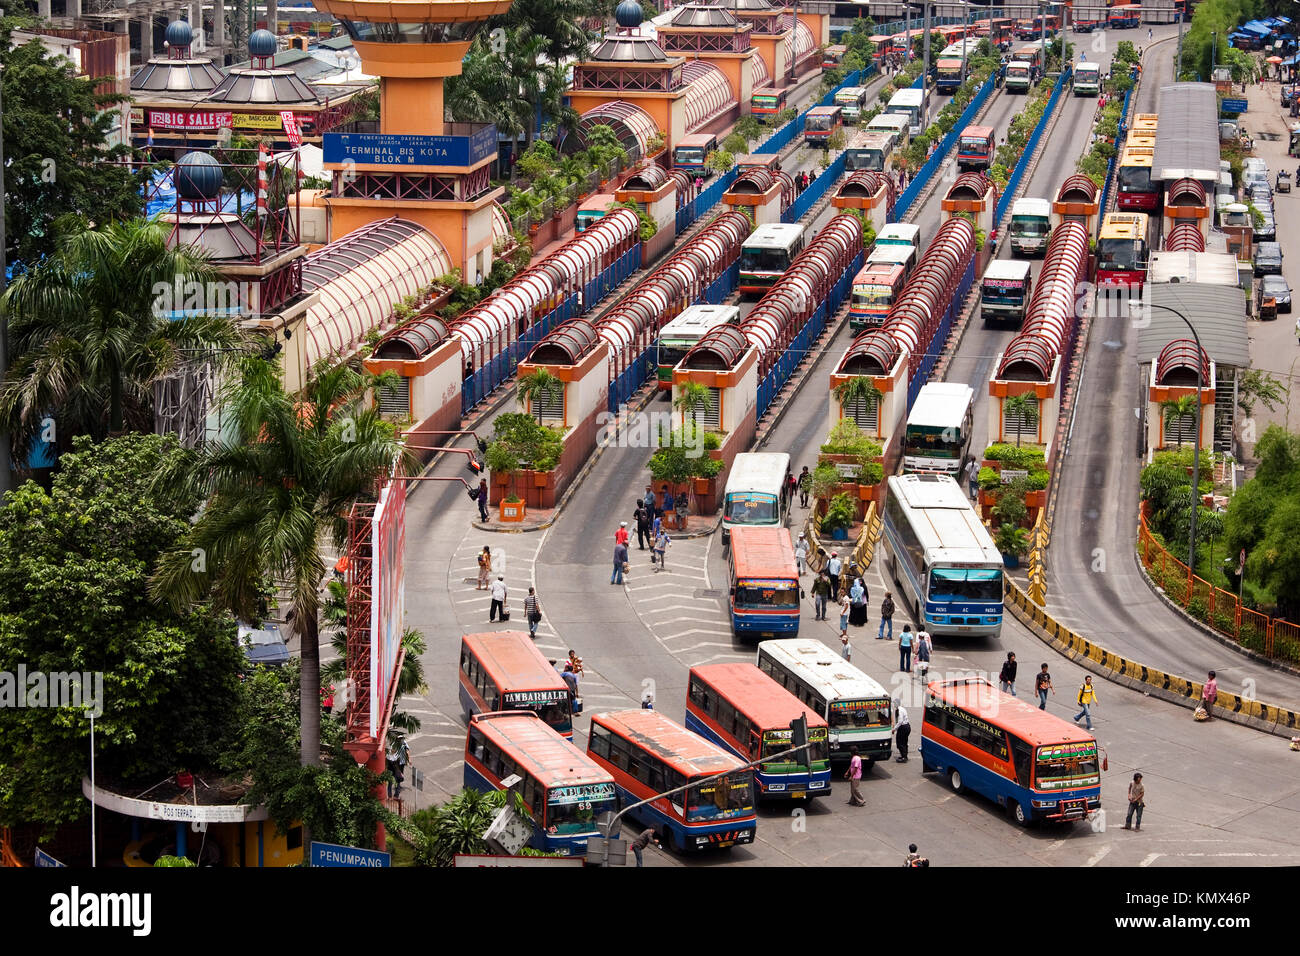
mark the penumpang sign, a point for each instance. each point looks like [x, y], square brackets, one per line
[331, 854]
[189, 119]
[390, 149]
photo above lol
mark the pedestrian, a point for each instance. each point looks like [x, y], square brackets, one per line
[669, 504]
[532, 612]
[886, 617]
[648, 701]
[833, 567]
[656, 526]
[570, 677]
[972, 477]
[905, 649]
[1297, 321]
[699, 183]
[575, 662]
[649, 500]
[858, 603]
[902, 730]
[642, 519]
[821, 590]
[1007, 677]
[1209, 694]
[913, 858]
[398, 756]
[620, 559]
[621, 536]
[845, 608]
[1042, 684]
[854, 776]
[805, 476]
[643, 840]
[846, 649]
[661, 550]
[498, 600]
[484, 568]
[1149, 33]
[801, 553]
[482, 499]
[923, 648]
[1087, 697]
[1137, 795]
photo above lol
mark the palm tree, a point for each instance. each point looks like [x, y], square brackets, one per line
[410, 679]
[1024, 409]
[857, 389]
[538, 387]
[456, 827]
[694, 397]
[1176, 410]
[276, 491]
[91, 331]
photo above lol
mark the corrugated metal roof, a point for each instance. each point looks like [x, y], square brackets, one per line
[1206, 268]
[1187, 140]
[1217, 312]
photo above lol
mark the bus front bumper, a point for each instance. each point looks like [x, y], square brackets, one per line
[721, 839]
[1066, 810]
[794, 791]
[867, 749]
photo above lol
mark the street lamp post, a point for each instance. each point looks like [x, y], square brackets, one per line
[1178, 57]
[925, 51]
[6, 474]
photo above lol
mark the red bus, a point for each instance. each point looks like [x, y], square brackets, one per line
[564, 791]
[1133, 177]
[975, 147]
[506, 671]
[764, 589]
[1122, 250]
[745, 712]
[766, 102]
[820, 123]
[1035, 764]
[647, 754]
[1124, 17]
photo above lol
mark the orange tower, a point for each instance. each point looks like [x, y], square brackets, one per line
[418, 166]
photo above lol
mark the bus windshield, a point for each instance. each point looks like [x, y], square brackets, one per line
[1029, 226]
[558, 716]
[867, 295]
[690, 154]
[817, 123]
[574, 809]
[1018, 69]
[860, 713]
[935, 442]
[670, 353]
[761, 594]
[1117, 254]
[775, 741]
[765, 101]
[965, 584]
[751, 508]
[974, 142]
[764, 260]
[1003, 291]
[1060, 766]
[721, 799]
[1135, 179]
[872, 159]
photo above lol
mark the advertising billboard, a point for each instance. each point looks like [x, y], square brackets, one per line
[388, 594]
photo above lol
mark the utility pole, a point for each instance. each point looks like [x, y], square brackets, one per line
[1178, 57]
[1042, 37]
[925, 47]
[6, 467]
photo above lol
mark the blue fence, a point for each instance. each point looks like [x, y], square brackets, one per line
[898, 26]
[816, 189]
[1022, 164]
[1110, 164]
[935, 347]
[802, 343]
[500, 367]
[709, 197]
[946, 144]
[784, 135]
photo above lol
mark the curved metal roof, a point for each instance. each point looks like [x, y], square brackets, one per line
[969, 186]
[701, 15]
[759, 74]
[718, 349]
[414, 340]
[1176, 364]
[708, 94]
[630, 123]
[565, 344]
[1077, 188]
[161, 75]
[649, 177]
[501, 227]
[864, 183]
[622, 48]
[262, 86]
[1185, 237]
[873, 352]
[1185, 192]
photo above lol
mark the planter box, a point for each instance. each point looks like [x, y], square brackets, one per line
[1010, 561]
[513, 510]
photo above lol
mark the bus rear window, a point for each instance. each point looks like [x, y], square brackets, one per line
[860, 713]
[965, 584]
[1135, 179]
[722, 799]
[1117, 254]
[1061, 766]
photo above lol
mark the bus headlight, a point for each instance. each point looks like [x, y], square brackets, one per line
[938, 618]
[993, 619]
[1042, 804]
[816, 784]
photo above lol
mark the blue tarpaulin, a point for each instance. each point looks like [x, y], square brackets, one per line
[1256, 28]
[162, 197]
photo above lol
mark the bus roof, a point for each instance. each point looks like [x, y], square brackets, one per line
[547, 756]
[762, 552]
[888, 121]
[1031, 207]
[697, 139]
[766, 160]
[850, 92]
[908, 232]
[1036, 727]
[698, 319]
[824, 670]
[983, 132]
[1124, 225]
[1146, 121]
[768, 91]
[941, 404]
[824, 111]
[891, 254]
[947, 63]
[765, 702]
[512, 659]
[946, 525]
[1004, 269]
[1137, 156]
[774, 235]
[758, 471]
[872, 139]
[907, 97]
[684, 751]
[1087, 66]
[879, 273]
[599, 202]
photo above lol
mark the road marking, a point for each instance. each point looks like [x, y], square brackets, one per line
[1098, 856]
[1150, 858]
[1055, 845]
[694, 630]
[674, 620]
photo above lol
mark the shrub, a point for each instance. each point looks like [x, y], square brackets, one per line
[1012, 540]
[840, 512]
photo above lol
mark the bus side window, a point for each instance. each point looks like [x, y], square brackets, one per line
[618, 752]
[476, 744]
[1023, 755]
[528, 791]
[539, 800]
[464, 663]
[600, 741]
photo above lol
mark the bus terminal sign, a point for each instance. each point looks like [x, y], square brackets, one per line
[389, 149]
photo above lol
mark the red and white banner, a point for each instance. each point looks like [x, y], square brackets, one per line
[182, 119]
[291, 131]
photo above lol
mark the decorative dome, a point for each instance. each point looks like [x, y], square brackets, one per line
[628, 14]
[179, 34]
[628, 49]
[261, 43]
[198, 177]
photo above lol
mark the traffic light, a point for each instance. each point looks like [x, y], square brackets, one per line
[799, 739]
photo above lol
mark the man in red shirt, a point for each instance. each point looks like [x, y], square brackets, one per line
[621, 535]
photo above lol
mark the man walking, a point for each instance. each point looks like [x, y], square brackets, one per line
[833, 567]
[972, 478]
[886, 617]
[1042, 684]
[1137, 795]
[643, 840]
[905, 649]
[801, 554]
[649, 500]
[821, 590]
[902, 730]
[532, 613]
[805, 476]
[482, 499]
[661, 550]
[1007, 678]
[620, 556]
[498, 592]
[1087, 697]
[642, 518]
[854, 776]
[1209, 694]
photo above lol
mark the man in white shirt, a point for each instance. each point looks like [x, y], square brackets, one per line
[498, 590]
[902, 730]
[833, 567]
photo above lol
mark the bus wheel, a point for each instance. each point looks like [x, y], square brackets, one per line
[954, 780]
[867, 764]
[666, 838]
[1018, 813]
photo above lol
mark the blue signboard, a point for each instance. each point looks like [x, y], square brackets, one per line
[44, 860]
[401, 149]
[1234, 106]
[330, 854]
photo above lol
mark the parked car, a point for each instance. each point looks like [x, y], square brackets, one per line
[263, 645]
[1277, 288]
[1268, 259]
[1267, 230]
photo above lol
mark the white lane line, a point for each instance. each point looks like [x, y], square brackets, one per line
[713, 644]
[1055, 845]
[698, 620]
[436, 750]
[1150, 858]
[719, 657]
[1098, 856]
[716, 632]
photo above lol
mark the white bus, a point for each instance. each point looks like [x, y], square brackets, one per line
[758, 491]
[1087, 79]
[938, 430]
[850, 100]
[945, 563]
[912, 103]
[680, 335]
[767, 253]
[869, 149]
[892, 123]
[858, 709]
[899, 234]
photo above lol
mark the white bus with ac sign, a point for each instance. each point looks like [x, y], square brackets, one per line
[758, 491]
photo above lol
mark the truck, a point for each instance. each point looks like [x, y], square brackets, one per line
[1087, 79]
[1031, 225]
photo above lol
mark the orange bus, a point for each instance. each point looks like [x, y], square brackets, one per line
[506, 671]
[745, 712]
[1135, 190]
[765, 593]
[975, 147]
[875, 288]
[1035, 764]
[564, 791]
[766, 102]
[648, 754]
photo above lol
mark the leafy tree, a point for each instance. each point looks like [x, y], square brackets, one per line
[55, 131]
[720, 161]
[90, 336]
[694, 397]
[276, 491]
[1255, 385]
[74, 565]
[859, 388]
[457, 827]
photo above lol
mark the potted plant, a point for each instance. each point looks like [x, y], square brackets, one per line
[840, 513]
[513, 508]
[1013, 542]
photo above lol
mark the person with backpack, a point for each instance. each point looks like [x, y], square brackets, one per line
[661, 550]
[887, 619]
[923, 647]
[1007, 677]
[1087, 697]
[1042, 684]
[642, 519]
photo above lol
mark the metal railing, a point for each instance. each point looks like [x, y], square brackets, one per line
[1031, 145]
[926, 172]
[1110, 165]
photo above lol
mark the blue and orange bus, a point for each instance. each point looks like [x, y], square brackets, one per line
[564, 792]
[764, 581]
[1125, 17]
[767, 102]
[648, 753]
[1035, 764]
[744, 711]
[506, 671]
